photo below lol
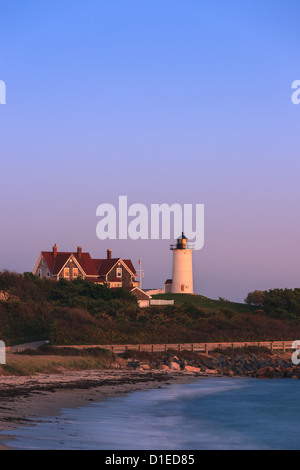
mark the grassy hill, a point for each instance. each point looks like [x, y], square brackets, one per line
[80, 312]
[206, 304]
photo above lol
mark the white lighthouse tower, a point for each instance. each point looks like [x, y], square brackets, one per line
[182, 282]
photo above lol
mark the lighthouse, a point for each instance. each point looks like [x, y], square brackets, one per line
[182, 282]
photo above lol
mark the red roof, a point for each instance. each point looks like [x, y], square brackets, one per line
[105, 265]
[98, 268]
[130, 266]
[56, 264]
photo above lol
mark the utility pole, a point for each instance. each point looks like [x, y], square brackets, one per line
[141, 272]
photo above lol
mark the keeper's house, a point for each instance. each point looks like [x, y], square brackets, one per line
[114, 272]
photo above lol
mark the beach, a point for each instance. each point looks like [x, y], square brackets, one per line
[129, 411]
[25, 399]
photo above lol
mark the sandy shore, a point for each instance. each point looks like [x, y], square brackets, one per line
[25, 399]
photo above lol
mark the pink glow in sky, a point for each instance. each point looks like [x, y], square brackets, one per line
[163, 102]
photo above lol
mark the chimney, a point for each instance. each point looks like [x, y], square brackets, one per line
[79, 252]
[55, 251]
[108, 254]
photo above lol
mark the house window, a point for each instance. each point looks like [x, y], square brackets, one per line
[75, 272]
[66, 272]
[48, 273]
[119, 272]
[39, 273]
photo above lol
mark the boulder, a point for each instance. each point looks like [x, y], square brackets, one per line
[191, 369]
[211, 371]
[227, 371]
[163, 367]
[145, 367]
[175, 359]
[174, 366]
[266, 373]
[288, 372]
[133, 364]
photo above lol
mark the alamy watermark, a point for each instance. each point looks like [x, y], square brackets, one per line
[2, 353]
[295, 356]
[2, 92]
[296, 94]
[137, 222]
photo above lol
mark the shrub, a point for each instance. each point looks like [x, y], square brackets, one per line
[255, 298]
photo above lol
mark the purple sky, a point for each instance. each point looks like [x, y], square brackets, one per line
[163, 102]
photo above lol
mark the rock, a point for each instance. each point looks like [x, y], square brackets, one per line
[208, 364]
[211, 371]
[214, 361]
[145, 367]
[132, 363]
[222, 359]
[266, 373]
[163, 367]
[227, 371]
[175, 359]
[289, 372]
[116, 365]
[191, 369]
[174, 366]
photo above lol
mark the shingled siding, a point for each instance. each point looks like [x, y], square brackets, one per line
[126, 278]
[43, 267]
[140, 295]
[71, 265]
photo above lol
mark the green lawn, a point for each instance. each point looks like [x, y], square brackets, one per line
[206, 303]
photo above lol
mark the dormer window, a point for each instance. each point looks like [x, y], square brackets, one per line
[75, 273]
[66, 272]
[119, 272]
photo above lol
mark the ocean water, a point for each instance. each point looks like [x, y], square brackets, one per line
[217, 413]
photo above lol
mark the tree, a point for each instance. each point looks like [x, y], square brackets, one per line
[255, 298]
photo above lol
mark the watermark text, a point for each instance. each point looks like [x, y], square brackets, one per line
[139, 222]
[2, 92]
[296, 94]
[295, 356]
[2, 353]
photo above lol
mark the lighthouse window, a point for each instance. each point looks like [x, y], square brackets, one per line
[182, 287]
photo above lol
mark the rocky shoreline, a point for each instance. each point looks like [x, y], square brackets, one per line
[25, 398]
[244, 362]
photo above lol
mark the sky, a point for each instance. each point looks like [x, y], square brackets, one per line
[163, 101]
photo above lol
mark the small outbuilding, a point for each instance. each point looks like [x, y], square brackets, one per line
[142, 297]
